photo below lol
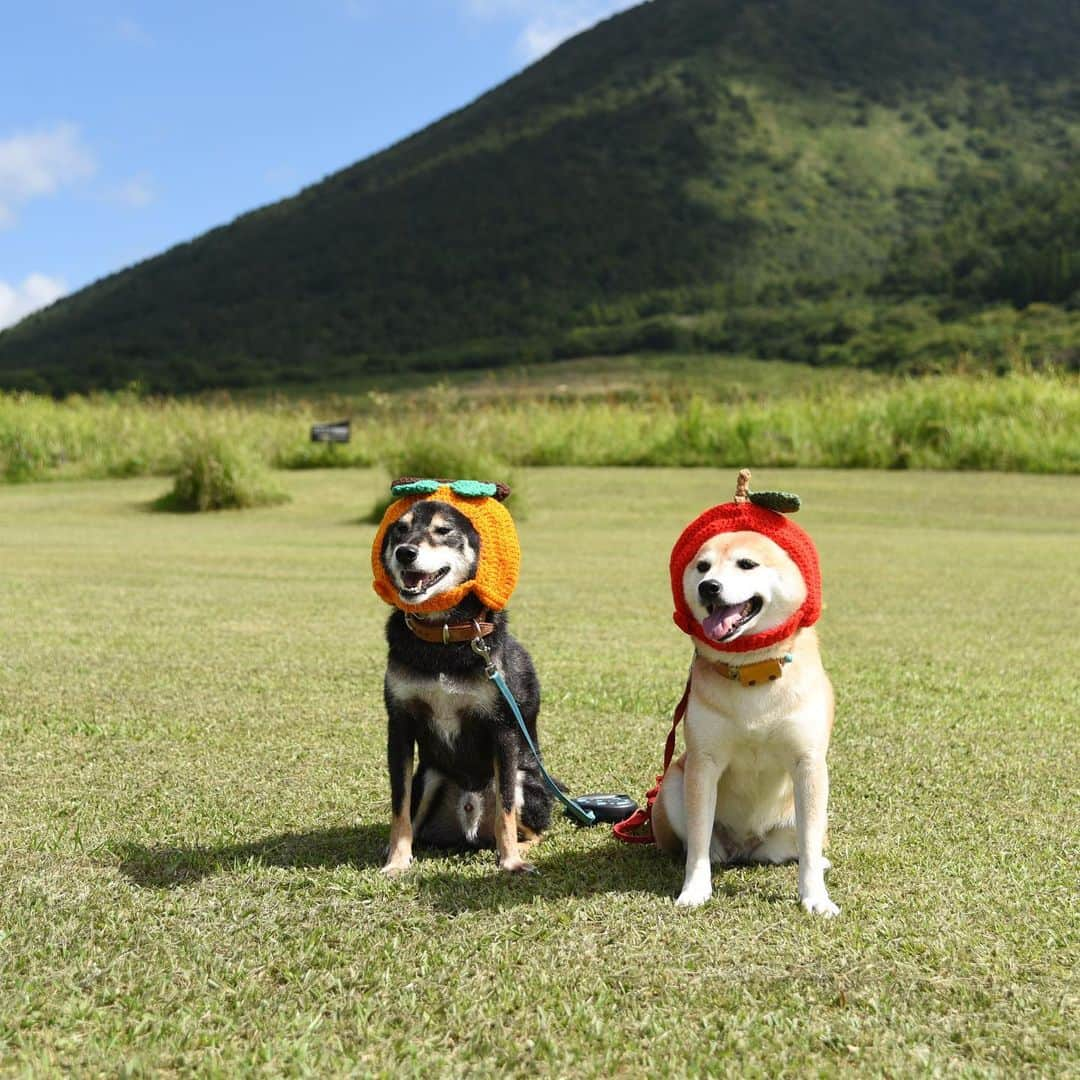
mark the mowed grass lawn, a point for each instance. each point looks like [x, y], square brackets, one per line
[193, 801]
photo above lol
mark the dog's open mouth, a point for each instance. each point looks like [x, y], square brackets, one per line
[724, 621]
[415, 582]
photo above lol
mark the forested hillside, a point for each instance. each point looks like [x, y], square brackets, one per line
[840, 181]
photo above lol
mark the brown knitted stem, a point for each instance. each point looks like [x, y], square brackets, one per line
[742, 486]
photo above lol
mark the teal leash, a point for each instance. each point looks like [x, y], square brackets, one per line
[481, 648]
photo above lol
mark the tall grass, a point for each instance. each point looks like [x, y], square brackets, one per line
[125, 435]
[1017, 422]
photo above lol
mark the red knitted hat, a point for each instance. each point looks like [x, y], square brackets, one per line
[744, 516]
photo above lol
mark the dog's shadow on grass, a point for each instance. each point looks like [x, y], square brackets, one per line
[452, 882]
[592, 871]
[609, 868]
[172, 867]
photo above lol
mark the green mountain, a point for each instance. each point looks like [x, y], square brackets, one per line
[706, 172]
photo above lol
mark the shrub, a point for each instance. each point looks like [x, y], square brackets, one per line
[214, 474]
[22, 457]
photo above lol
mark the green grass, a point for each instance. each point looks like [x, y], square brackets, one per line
[193, 801]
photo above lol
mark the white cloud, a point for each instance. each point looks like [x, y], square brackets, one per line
[128, 30]
[38, 163]
[547, 23]
[137, 192]
[35, 291]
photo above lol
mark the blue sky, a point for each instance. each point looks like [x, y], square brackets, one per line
[127, 128]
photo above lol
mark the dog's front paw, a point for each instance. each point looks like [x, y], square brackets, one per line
[396, 864]
[820, 904]
[517, 866]
[694, 895]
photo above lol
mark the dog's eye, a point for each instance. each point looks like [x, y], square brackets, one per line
[746, 564]
[702, 567]
[442, 530]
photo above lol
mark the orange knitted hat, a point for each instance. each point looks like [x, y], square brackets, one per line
[499, 561]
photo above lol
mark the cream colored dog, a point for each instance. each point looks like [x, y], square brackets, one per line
[753, 785]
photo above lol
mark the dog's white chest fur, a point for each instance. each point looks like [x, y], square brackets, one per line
[445, 696]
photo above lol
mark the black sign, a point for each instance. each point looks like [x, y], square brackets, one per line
[338, 431]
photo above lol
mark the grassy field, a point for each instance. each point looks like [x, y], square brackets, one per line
[193, 803]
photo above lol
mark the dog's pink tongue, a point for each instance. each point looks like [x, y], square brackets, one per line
[720, 623]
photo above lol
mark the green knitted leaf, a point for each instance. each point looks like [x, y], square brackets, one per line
[473, 489]
[414, 487]
[783, 502]
[467, 489]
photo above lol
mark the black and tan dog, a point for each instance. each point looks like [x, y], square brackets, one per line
[476, 783]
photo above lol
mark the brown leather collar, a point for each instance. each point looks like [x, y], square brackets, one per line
[448, 634]
[764, 671]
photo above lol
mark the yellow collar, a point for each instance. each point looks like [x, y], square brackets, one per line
[758, 674]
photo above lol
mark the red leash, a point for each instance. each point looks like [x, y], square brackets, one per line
[642, 819]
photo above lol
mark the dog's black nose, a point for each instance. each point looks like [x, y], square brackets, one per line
[406, 554]
[708, 589]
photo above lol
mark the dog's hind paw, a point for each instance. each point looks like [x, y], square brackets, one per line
[820, 905]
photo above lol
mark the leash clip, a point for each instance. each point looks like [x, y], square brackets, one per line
[483, 650]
